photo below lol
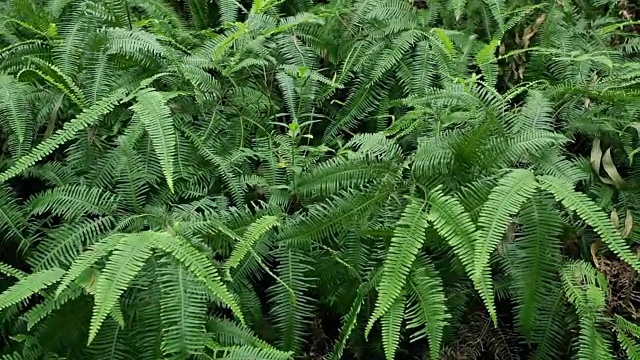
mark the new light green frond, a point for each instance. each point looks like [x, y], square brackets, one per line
[64, 244]
[156, 116]
[391, 322]
[591, 214]
[504, 201]
[183, 305]
[123, 265]
[28, 286]
[454, 224]
[88, 117]
[427, 312]
[253, 233]
[87, 259]
[586, 290]
[201, 267]
[408, 238]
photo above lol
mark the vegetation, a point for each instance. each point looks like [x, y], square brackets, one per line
[380, 179]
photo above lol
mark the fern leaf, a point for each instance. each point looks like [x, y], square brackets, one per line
[202, 267]
[183, 305]
[124, 264]
[28, 286]
[72, 201]
[156, 116]
[534, 260]
[87, 259]
[87, 118]
[408, 238]
[254, 232]
[291, 305]
[427, 312]
[391, 322]
[486, 60]
[504, 201]
[454, 224]
[14, 105]
[592, 215]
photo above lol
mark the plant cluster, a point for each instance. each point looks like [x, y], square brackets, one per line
[341, 179]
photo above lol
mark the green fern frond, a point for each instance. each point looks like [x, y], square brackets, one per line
[408, 238]
[96, 252]
[49, 305]
[292, 306]
[427, 311]
[586, 290]
[87, 118]
[592, 215]
[254, 232]
[64, 244]
[28, 286]
[123, 266]
[72, 201]
[14, 106]
[391, 322]
[183, 309]
[247, 352]
[534, 260]
[157, 119]
[201, 267]
[454, 224]
[504, 201]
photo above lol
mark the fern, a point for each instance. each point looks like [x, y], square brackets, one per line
[408, 238]
[505, 200]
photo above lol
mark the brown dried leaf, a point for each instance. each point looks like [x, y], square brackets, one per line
[615, 219]
[628, 225]
[594, 252]
[610, 168]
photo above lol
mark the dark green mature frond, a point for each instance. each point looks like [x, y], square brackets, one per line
[292, 307]
[533, 261]
[72, 201]
[87, 118]
[183, 305]
[15, 110]
[391, 322]
[504, 201]
[408, 238]
[152, 110]
[122, 267]
[247, 352]
[592, 215]
[427, 311]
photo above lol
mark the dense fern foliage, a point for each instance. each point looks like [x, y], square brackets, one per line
[342, 179]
